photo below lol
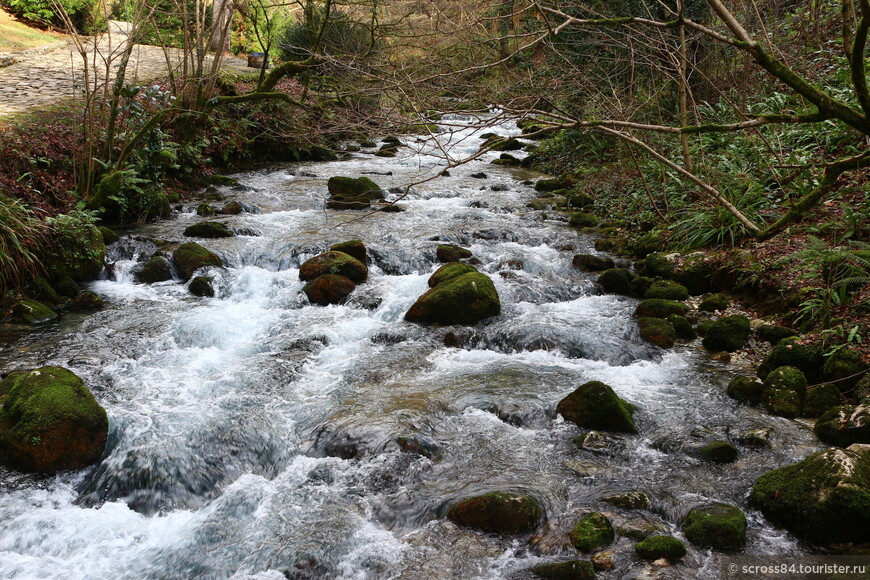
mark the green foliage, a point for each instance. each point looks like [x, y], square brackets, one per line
[84, 14]
[341, 36]
[21, 233]
[257, 26]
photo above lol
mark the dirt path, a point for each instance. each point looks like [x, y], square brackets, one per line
[48, 75]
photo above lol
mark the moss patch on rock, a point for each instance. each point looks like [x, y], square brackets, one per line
[465, 299]
[630, 500]
[727, 334]
[580, 219]
[657, 332]
[658, 308]
[334, 263]
[791, 352]
[719, 452]
[784, 391]
[844, 367]
[591, 532]
[717, 525]
[844, 425]
[592, 263]
[353, 248]
[616, 281]
[746, 390]
[201, 286]
[446, 253]
[714, 302]
[571, 570]
[819, 399]
[207, 230]
[594, 405]
[667, 290]
[499, 513]
[329, 289]
[657, 547]
[32, 312]
[156, 269]
[448, 272]
[190, 257]
[682, 327]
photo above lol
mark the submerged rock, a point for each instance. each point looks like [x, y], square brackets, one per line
[657, 547]
[719, 452]
[190, 257]
[208, 230]
[630, 500]
[595, 405]
[499, 513]
[354, 248]
[329, 289]
[591, 532]
[571, 570]
[156, 269]
[50, 422]
[717, 525]
[825, 498]
[464, 299]
[334, 263]
[845, 425]
[448, 253]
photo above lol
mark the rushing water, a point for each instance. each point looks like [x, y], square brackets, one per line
[253, 435]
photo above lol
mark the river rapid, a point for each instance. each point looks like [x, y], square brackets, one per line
[256, 436]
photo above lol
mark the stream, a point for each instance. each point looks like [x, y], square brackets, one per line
[255, 436]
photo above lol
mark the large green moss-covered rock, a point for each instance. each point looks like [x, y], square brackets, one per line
[727, 334]
[784, 391]
[581, 219]
[657, 331]
[75, 248]
[50, 422]
[714, 302]
[448, 272]
[791, 352]
[825, 498]
[446, 253]
[656, 547]
[201, 286]
[190, 257]
[820, 399]
[156, 269]
[499, 513]
[667, 290]
[658, 266]
[658, 308]
[329, 289]
[696, 273]
[616, 281]
[640, 285]
[844, 425]
[465, 299]
[353, 248]
[844, 367]
[352, 193]
[773, 333]
[592, 263]
[207, 230]
[682, 327]
[594, 405]
[591, 532]
[717, 525]
[32, 312]
[571, 570]
[334, 263]
[746, 390]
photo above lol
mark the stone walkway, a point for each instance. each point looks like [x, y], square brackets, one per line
[51, 74]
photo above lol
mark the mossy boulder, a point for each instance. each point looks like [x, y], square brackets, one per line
[727, 334]
[156, 269]
[703, 326]
[844, 425]
[110, 236]
[657, 331]
[630, 500]
[658, 308]
[190, 257]
[825, 498]
[746, 390]
[682, 327]
[207, 230]
[719, 452]
[819, 399]
[40, 289]
[205, 210]
[32, 312]
[354, 193]
[446, 253]
[658, 547]
[616, 281]
[579, 200]
[201, 286]
[498, 513]
[75, 249]
[648, 243]
[792, 352]
[50, 422]
[667, 290]
[465, 299]
[581, 219]
[594, 405]
[448, 272]
[773, 333]
[714, 302]
[696, 273]
[640, 285]
[571, 570]
[716, 525]
[592, 263]
[87, 301]
[333, 262]
[353, 248]
[591, 532]
[784, 391]
[550, 184]
[658, 266]
[232, 208]
[844, 368]
[329, 289]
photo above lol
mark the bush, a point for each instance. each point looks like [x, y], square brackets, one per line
[84, 14]
[341, 37]
[20, 234]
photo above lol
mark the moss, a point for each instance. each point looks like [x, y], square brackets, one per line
[604, 244]
[616, 281]
[844, 367]
[580, 219]
[704, 326]
[667, 290]
[49, 421]
[190, 257]
[696, 274]
[205, 210]
[784, 391]
[334, 263]
[820, 399]
[85, 302]
[658, 266]
[842, 426]
[201, 286]
[657, 331]
[790, 352]
[657, 308]
[43, 292]
[727, 334]
[718, 525]
[658, 547]
[508, 145]
[110, 236]
[648, 243]
[207, 230]
[356, 193]
[714, 302]
[591, 532]
[354, 248]
[773, 333]
[551, 184]
[32, 312]
[719, 452]
[594, 405]
[746, 390]
[329, 289]
[156, 269]
[232, 208]
[682, 327]
[498, 512]
[630, 500]
[446, 253]
[448, 272]
[592, 263]
[579, 200]
[825, 498]
[76, 248]
[465, 299]
[367, 143]
[571, 570]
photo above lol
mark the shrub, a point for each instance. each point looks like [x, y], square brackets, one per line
[83, 14]
[20, 234]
